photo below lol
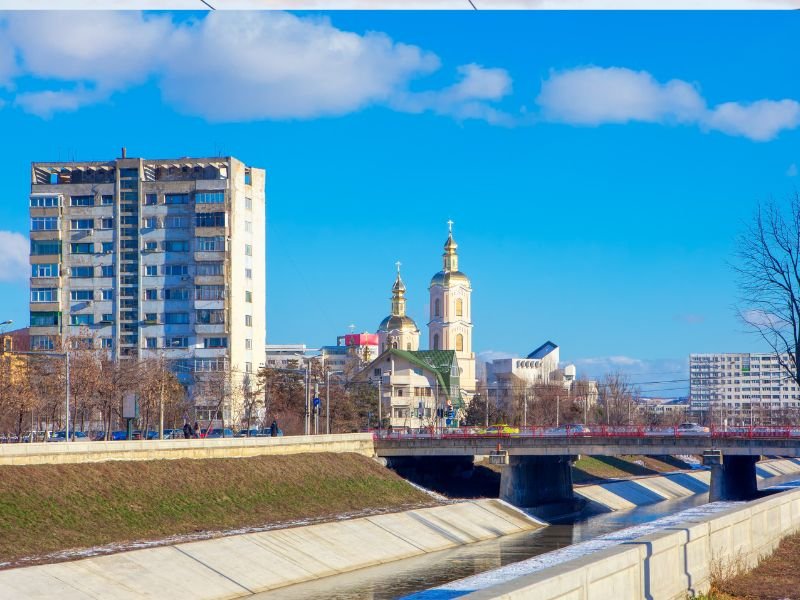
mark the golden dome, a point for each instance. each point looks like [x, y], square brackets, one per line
[448, 278]
[398, 323]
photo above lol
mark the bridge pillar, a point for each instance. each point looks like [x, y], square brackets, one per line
[534, 481]
[732, 477]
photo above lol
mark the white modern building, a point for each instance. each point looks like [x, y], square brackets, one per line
[151, 258]
[741, 388]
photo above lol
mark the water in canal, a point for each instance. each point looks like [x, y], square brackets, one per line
[404, 577]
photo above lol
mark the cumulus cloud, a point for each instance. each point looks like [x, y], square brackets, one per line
[236, 66]
[15, 256]
[465, 99]
[593, 96]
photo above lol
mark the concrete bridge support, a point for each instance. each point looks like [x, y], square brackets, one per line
[732, 477]
[538, 481]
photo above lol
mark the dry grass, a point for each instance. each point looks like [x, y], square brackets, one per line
[776, 577]
[47, 508]
[594, 468]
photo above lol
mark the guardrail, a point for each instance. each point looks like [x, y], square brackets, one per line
[590, 431]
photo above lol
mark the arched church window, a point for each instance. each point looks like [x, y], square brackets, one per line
[436, 341]
[459, 307]
[394, 345]
[459, 343]
[437, 308]
[408, 346]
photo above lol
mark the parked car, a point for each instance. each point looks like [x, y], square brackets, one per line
[252, 432]
[501, 429]
[567, 430]
[61, 436]
[118, 436]
[37, 436]
[692, 429]
[216, 433]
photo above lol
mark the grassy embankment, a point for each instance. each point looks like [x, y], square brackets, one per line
[590, 469]
[49, 508]
[777, 577]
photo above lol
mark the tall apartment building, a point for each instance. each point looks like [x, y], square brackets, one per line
[741, 388]
[152, 258]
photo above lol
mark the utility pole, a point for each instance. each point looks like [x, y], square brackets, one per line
[307, 415]
[525, 409]
[380, 401]
[558, 407]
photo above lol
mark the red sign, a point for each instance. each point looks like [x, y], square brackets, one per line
[361, 339]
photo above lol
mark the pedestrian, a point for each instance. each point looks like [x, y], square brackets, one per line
[188, 432]
[196, 429]
[273, 429]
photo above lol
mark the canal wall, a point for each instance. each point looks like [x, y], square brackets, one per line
[622, 495]
[86, 452]
[236, 566]
[664, 565]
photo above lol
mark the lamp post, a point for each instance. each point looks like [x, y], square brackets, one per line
[328, 400]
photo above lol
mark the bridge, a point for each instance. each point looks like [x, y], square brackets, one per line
[538, 459]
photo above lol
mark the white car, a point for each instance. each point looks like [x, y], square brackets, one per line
[692, 429]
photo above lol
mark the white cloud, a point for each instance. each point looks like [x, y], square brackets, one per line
[792, 170]
[15, 249]
[276, 65]
[45, 103]
[597, 95]
[466, 99]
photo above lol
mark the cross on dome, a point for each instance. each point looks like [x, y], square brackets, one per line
[450, 225]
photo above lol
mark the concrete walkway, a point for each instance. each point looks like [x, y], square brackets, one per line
[236, 566]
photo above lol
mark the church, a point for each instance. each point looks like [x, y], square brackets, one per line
[422, 388]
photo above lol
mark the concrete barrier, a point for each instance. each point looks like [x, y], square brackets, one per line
[83, 452]
[664, 565]
[235, 566]
[622, 495]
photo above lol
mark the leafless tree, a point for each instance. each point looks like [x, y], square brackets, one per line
[618, 398]
[768, 271]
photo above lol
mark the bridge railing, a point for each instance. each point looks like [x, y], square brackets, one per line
[588, 431]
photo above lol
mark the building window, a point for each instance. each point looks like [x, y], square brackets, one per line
[176, 246]
[437, 308]
[248, 250]
[176, 318]
[44, 223]
[81, 248]
[211, 244]
[210, 317]
[248, 344]
[107, 271]
[45, 201]
[108, 318]
[209, 197]
[177, 342]
[436, 341]
[248, 367]
[176, 222]
[209, 268]
[81, 320]
[181, 270]
[176, 294]
[82, 272]
[82, 224]
[44, 319]
[248, 297]
[151, 294]
[106, 200]
[248, 273]
[459, 307]
[248, 177]
[151, 343]
[248, 320]
[81, 201]
[149, 222]
[150, 246]
[81, 295]
[43, 247]
[150, 199]
[106, 342]
[209, 292]
[42, 342]
[248, 227]
[211, 219]
[176, 199]
[215, 342]
[44, 270]
[150, 270]
[248, 203]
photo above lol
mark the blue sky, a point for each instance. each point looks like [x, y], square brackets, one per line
[598, 166]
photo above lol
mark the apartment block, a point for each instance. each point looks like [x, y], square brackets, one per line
[152, 258]
[742, 388]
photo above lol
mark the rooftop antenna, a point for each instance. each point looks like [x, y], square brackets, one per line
[351, 327]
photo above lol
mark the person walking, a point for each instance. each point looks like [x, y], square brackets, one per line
[273, 429]
[196, 429]
[188, 432]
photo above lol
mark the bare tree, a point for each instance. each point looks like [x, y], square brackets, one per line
[618, 398]
[769, 279]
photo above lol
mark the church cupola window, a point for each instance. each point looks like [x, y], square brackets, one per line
[459, 343]
[437, 308]
[459, 307]
[436, 341]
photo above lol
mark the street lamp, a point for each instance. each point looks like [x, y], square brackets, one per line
[328, 400]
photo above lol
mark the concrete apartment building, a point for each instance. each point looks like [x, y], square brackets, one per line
[741, 388]
[151, 258]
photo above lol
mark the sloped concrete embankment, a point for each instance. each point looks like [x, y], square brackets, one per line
[621, 495]
[665, 565]
[237, 566]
